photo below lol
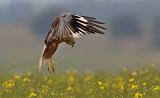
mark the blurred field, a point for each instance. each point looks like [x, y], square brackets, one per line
[143, 83]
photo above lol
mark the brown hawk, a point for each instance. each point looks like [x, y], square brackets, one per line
[66, 28]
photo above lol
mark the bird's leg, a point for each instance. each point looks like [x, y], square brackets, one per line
[50, 65]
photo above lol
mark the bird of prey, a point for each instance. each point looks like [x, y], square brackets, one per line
[66, 28]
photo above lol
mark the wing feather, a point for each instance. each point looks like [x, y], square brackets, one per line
[88, 17]
[72, 25]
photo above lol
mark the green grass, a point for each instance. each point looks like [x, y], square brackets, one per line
[144, 83]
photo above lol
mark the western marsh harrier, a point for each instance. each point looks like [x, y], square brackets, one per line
[66, 28]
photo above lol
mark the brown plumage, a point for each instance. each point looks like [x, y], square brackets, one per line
[66, 28]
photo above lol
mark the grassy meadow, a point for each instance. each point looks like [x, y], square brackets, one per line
[143, 83]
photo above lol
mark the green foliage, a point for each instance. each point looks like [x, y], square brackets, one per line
[144, 83]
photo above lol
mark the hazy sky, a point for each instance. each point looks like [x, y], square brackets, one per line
[44, 2]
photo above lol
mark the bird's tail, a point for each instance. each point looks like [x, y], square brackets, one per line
[42, 59]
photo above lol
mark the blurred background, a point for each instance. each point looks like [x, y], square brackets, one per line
[132, 39]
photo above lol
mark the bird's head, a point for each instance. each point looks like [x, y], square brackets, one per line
[72, 43]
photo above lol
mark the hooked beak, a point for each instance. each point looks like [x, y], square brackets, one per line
[73, 44]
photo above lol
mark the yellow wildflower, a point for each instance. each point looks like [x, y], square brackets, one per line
[134, 86]
[131, 80]
[102, 88]
[157, 88]
[121, 87]
[137, 95]
[8, 84]
[17, 77]
[26, 79]
[144, 84]
[45, 89]
[99, 82]
[69, 88]
[32, 95]
[134, 73]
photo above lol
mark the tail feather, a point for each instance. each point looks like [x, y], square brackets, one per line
[41, 60]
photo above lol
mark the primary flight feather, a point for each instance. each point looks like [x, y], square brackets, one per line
[66, 28]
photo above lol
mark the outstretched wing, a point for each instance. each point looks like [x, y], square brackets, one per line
[69, 25]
